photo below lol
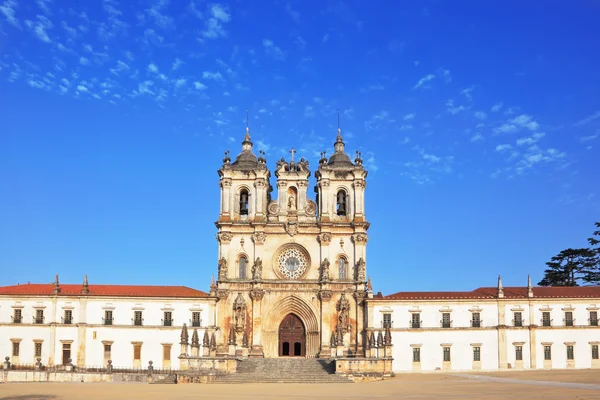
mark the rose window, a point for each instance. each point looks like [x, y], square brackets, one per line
[292, 263]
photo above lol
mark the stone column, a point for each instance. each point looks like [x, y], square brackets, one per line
[502, 350]
[226, 190]
[326, 331]
[52, 356]
[532, 339]
[325, 200]
[256, 348]
[260, 207]
[359, 194]
[360, 332]
[81, 332]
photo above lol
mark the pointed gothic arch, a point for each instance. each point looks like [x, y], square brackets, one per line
[302, 309]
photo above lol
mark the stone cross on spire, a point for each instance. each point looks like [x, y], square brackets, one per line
[293, 151]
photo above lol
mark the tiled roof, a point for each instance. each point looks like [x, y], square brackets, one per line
[509, 293]
[47, 289]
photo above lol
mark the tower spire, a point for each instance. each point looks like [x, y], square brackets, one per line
[339, 131]
[247, 137]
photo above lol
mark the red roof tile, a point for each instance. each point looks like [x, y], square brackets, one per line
[47, 289]
[509, 292]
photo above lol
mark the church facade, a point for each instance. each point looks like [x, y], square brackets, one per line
[292, 282]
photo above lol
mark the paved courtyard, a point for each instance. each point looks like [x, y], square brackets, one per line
[558, 385]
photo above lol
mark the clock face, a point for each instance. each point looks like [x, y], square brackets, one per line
[292, 263]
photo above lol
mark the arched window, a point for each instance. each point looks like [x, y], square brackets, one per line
[243, 263]
[243, 202]
[341, 203]
[343, 268]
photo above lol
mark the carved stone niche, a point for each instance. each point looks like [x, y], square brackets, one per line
[324, 238]
[360, 238]
[259, 237]
[257, 295]
[239, 313]
[325, 295]
[224, 237]
[343, 309]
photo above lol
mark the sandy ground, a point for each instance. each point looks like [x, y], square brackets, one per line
[409, 386]
[578, 376]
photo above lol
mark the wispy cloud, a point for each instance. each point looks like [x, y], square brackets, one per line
[496, 107]
[272, 50]
[589, 119]
[408, 117]
[214, 76]
[292, 13]
[176, 64]
[423, 81]
[8, 10]
[452, 108]
[480, 115]
[40, 27]
[528, 141]
[213, 27]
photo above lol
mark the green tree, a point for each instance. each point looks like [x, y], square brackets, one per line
[570, 267]
[595, 247]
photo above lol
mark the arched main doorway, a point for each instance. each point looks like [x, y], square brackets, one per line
[292, 337]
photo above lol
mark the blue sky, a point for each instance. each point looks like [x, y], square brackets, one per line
[479, 123]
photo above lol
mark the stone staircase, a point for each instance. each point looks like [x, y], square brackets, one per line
[284, 370]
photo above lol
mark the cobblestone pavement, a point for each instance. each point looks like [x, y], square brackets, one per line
[405, 386]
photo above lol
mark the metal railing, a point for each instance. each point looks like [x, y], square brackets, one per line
[517, 322]
[38, 320]
[569, 321]
[546, 322]
[17, 320]
[137, 321]
[415, 324]
[593, 321]
[67, 321]
[195, 324]
[107, 321]
[167, 322]
[475, 323]
[446, 324]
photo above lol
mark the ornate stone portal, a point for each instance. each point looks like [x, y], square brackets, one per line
[303, 295]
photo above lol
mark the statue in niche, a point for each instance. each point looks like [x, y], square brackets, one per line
[325, 270]
[239, 313]
[361, 270]
[343, 308]
[223, 268]
[292, 203]
[257, 269]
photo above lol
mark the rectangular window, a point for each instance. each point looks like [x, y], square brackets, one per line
[594, 352]
[446, 320]
[519, 353]
[387, 320]
[68, 317]
[417, 354]
[416, 320]
[570, 353]
[594, 318]
[168, 320]
[446, 354]
[15, 349]
[38, 349]
[476, 353]
[547, 352]
[138, 320]
[39, 316]
[18, 316]
[476, 321]
[66, 356]
[518, 318]
[568, 318]
[196, 318]
[137, 351]
[546, 318]
[166, 352]
[108, 317]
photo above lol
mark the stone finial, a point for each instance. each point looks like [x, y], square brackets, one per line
[205, 339]
[85, 288]
[213, 341]
[150, 368]
[333, 340]
[109, 366]
[56, 284]
[529, 286]
[500, 288]
[379, 339]
[372, 341]
[388, 337]
[195, 339]
[369, 285]
[245, 339]
[184, 335]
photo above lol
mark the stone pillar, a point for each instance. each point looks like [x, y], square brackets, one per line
[502, 349]
[326, 331]
[325, 200]
[260, 204]
[359, 196]
[226, 190]
[205, 344]
[360, 332]
[81, 332]
[232, 341]
[256, 347]
[532, 339]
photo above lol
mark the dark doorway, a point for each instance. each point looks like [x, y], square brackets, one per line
[291, 331]
[66, 353]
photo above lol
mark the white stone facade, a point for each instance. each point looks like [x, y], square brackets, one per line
[301, 262]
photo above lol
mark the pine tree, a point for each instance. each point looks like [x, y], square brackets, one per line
[570, 267]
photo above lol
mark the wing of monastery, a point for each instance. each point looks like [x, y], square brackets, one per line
[292, 282]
